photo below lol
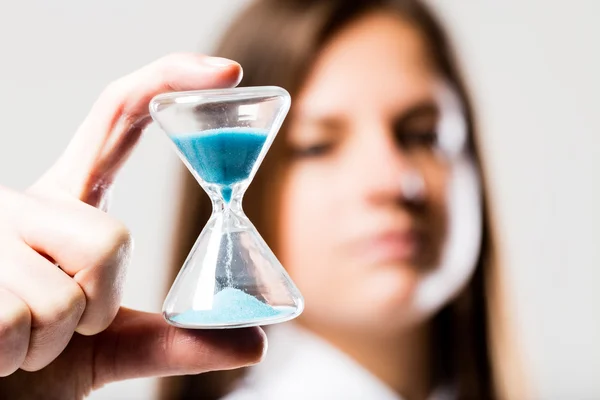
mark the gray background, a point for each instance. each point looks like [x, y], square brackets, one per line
[533, 69]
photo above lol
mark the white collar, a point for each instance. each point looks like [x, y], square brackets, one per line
[299, 365]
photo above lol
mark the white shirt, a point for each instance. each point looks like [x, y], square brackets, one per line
[300, 365]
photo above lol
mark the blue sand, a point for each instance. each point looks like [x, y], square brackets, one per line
[222, 156]
[229, 306]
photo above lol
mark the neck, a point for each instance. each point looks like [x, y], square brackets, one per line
[400, 360]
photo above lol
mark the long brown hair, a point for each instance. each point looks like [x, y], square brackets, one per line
[276, 42]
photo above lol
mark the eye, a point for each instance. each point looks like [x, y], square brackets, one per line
[417, 129]
[312, 151]
[411, 139]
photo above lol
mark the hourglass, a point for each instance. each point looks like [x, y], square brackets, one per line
[231, 278]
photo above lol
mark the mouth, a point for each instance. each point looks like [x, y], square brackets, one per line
[389, 247]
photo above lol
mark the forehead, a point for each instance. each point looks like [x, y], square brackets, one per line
[380, 61]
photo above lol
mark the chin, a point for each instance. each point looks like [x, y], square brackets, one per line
[392, 286]
[392, 300]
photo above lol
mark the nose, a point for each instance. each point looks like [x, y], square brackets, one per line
[387, 174]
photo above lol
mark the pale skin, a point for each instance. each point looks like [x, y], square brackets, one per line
[345, 223]
[63, 260]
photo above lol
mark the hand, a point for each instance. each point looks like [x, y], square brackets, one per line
[63, 260]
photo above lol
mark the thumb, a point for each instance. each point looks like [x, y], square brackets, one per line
[140, 344]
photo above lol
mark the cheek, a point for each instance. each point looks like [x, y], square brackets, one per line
[435, 219]
[305, 230]
[456, 205]
[311, 225]
[436, 175]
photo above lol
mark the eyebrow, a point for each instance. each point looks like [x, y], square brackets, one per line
[423, 108]
[419, 109]
[327, 122]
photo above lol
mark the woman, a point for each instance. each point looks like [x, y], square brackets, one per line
[352, 167]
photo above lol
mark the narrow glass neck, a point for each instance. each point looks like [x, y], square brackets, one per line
[221, 206]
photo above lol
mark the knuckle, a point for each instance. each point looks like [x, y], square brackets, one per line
[104, 279]
[113, 95]
[164, 71]
[168, 69]
[14, 339]
[116, 239]
[13, 322]
[53, 325]
[125, 92]
[109, 243]
[66, 308]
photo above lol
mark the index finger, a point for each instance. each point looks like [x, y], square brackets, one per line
[106, 137]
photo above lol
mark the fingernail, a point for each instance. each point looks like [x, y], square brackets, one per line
[219, 62]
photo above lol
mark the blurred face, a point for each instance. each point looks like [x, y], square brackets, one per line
[363, 217]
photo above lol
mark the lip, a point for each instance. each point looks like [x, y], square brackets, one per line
[388, 247]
